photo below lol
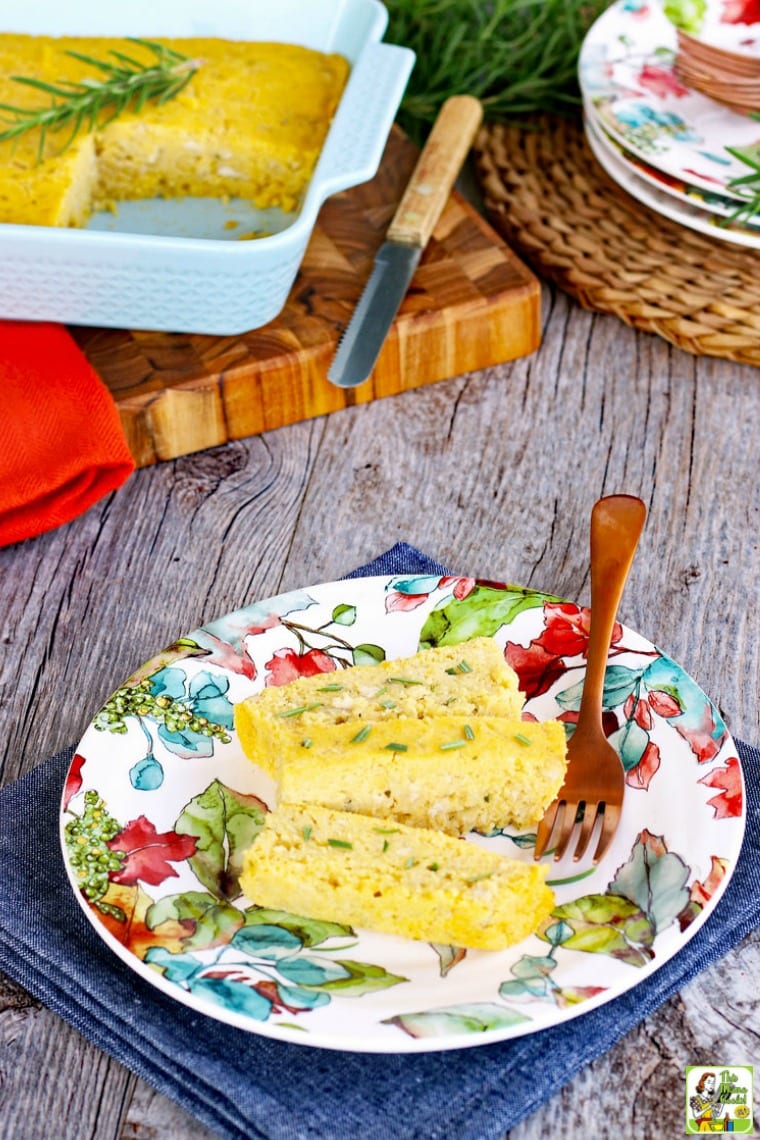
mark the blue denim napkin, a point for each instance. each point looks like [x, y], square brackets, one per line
[245, 1086]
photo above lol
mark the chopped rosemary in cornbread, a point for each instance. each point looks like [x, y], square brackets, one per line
[344, 867]
[444, 772]
[250, 124]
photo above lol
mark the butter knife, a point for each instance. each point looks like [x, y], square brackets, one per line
[420, 208]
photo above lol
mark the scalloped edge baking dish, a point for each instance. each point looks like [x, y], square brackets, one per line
[198, 284]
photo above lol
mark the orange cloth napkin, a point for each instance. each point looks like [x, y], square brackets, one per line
[61, 442]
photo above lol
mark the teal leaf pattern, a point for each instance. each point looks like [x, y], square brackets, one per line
[654, 879]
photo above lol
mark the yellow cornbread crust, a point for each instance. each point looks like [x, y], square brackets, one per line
[348, 868]
[250, 124]
[447, 773]
[468, 680]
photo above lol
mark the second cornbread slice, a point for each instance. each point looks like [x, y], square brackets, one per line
[445, 772]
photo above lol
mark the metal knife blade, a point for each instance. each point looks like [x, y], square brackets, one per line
[396, 261]
[360, 345]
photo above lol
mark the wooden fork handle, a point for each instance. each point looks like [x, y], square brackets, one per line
[616, 525]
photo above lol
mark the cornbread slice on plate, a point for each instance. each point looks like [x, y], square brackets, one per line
[250, 124]
[468, 680]
[417, 883]
[444, 772]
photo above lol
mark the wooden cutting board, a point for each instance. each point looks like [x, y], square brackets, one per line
[472, 304]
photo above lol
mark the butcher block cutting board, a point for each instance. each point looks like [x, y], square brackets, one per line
[471, 304]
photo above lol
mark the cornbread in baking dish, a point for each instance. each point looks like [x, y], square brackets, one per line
[468, 680]
[443, 772]
[250, 124]
[342, 867]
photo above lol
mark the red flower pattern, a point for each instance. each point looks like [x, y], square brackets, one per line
[565, 634]
[641, 776]
[740, 12]
[701, 893]
[397, 601]
[149, 853]
[536, 669]
[661, 81]
[664, 704]
[286, 665]
[73, 780]
[728, 780]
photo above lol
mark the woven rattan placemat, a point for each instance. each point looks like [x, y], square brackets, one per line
[555, 205]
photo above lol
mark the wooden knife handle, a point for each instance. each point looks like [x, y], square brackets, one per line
[436, 171]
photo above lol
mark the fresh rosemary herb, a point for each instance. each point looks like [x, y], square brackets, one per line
[469, 733]
[748, 185]
[362, 734]
[404, 681]
[519, 57]
[330, 688]
[128, 84]
[341, 843]
[452, 744]
[522, 738]
[393, 747]
[300, 709]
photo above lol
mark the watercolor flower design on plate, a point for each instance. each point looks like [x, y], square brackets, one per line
[160, 804]
[631, 90]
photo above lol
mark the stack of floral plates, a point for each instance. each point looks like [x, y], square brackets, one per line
[682, 153]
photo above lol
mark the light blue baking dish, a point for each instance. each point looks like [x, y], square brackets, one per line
[179, 266]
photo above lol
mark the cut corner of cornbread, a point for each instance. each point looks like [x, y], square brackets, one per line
[417, 883]
[249, 124]
[470, 680]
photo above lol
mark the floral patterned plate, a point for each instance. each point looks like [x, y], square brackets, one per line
[160, 804]
[694, 196]
[731, 25]
[630, 88]
[668, 205]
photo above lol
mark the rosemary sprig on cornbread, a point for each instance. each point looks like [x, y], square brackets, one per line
[128, 85]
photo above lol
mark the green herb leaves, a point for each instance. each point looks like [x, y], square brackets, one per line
[748, 185]
[516, 56]
[128, 83]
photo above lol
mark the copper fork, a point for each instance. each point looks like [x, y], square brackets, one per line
[595, 780]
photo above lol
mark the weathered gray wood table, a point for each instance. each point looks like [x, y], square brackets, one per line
[493, 473]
